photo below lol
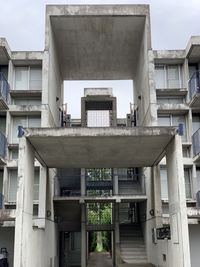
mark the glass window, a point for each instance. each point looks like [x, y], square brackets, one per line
[35, 79]
[12, 193]
[187, 174]
[164, 185]
[160, 77]
[27, 102]
[169, 100]
[168, 76]
[36, 185]
[98, 118]
[28, 78]
[25, 121]
[186, 152]
[21, 78]
[173, 79]
[34, 122]
[198, 179]
[14, 154]
[164, 120]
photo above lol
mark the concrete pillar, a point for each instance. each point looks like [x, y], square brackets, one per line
[24, 210]
[116, 237]
[42, 194]
[83, 183]
[115, 182]
[157, 196]
[83, 236]
[179, 253]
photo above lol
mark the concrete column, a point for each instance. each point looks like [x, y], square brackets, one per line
[179, 252]
[42, 195]
[115, 182]
[83, 183]
[24, 210]
[83, 236]
[116, 237]
[157, 196]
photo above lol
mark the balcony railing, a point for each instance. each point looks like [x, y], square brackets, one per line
[196, 142]
[3, 145]
[1, 200]
[194, 84]
[4, 88]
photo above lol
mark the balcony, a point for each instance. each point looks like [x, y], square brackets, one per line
[194, 89]
[3, 148]
[4, 92]
[6, 214]
[196, 145]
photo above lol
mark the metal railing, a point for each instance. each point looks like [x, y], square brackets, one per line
[196, 142]
[194, 84]
[1, 200]
[67, 186]
[3, 145]
[4, 87]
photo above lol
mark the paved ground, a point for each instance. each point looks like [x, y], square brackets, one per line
[100, 259]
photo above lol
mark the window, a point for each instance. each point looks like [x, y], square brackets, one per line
[28, 78]
[27, 102]
[12, 193]
[198, 179]
[173, 120]
[195, 123]
[164, 185]
[3, 124]
[186, 152]
[170, 100]
[168, 76]
[187, 175]
[98, 118]
[25, 121]
[36, 185]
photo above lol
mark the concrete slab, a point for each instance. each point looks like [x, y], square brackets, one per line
[98, 42]
[100, 147]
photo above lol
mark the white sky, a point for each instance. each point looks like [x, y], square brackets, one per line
[22, 23]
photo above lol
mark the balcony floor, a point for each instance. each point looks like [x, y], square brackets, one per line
[100, 147]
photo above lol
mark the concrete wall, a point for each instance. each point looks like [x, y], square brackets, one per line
[53, 86]
[7, 241]
[141, 79]
[194, 235]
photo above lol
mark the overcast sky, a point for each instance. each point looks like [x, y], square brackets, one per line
[172, 24]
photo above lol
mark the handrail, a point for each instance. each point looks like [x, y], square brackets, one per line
[194, 84]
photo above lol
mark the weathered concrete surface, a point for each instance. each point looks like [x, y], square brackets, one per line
[106, 39]
[102, 259]
[100, 147]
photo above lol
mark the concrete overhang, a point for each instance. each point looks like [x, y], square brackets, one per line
[5, 52]
[100, 147]
[193, 49]
[169, 56]
[98, 42]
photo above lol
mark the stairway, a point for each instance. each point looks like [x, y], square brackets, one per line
[132, 246]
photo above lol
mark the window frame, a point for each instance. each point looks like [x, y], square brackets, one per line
[28, 67]
[166, 75]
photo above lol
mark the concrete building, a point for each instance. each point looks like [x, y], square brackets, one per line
[146, 166]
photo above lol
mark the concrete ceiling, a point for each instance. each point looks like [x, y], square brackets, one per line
[100, 147]
[194, 54]
[97, 47]
[3, 56]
